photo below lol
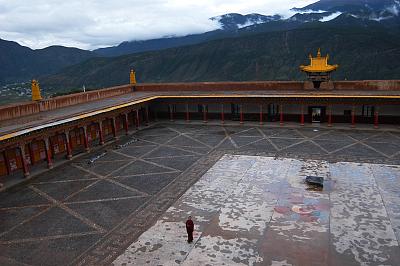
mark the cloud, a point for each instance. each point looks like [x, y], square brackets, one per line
[91, 24]
[330, 17]
[395, 9]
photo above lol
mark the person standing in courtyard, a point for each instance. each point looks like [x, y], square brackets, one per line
[190, 229]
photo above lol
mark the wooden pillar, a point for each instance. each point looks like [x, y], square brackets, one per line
[204, 113]
[330, 115]
[171, 113]
[222, 114]
[134, 119]
[68, 144]
[353, 116]
[126, 123]
[376, 118]
[101, 135]
[137, 119]
[187, 113]
[7, 162]
[86, 142]
[241, 114]
[114, 127]
[281, 114]
[31, 153]
[302, 115]
[48, 153]
[25, 167]
[261, 114]
[147, 115]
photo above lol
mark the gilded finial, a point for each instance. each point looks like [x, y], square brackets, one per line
[318, 70]
[36, 96]
[318, 64]
[132, 77]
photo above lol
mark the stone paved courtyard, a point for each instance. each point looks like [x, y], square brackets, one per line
[83, 213]
[252, 210]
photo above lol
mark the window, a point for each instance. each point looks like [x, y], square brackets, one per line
[347, 112]
[172, 107]
[273, 109]
[235, 108]
[368, 111]
[200, 108]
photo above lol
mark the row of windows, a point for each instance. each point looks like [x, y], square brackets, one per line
[367, 111]
[273, 109]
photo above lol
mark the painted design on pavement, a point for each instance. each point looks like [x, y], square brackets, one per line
[251, 210]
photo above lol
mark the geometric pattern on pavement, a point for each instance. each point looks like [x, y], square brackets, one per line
[254, 210]
[82, 213]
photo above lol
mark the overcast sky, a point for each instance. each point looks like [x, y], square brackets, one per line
[91, 24]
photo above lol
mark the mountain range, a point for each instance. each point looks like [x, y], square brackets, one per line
[20, 63]
[363, 36]
[231, 23]
[370, 7]
[370, 52]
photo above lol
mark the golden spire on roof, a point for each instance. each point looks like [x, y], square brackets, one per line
[319, 64]
[132, 77]
[35, 91]
[319, 53]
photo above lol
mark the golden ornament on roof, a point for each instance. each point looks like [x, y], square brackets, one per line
[319, 64]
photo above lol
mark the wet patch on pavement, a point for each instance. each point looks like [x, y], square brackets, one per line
[252, 210]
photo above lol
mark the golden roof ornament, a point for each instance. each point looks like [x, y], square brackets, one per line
[318, 70]
[319, 64]
[132, 77]
[36, 96]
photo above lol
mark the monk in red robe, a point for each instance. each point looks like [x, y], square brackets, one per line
[190, 229]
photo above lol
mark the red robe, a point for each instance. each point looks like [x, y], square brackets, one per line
[189, 230]
[189, 226]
